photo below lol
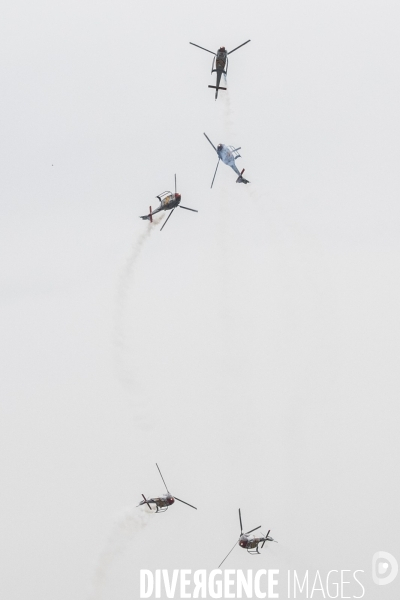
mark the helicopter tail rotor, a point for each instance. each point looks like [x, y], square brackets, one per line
[241, 179]
[148, 217]
[266, 538]
[144, 498]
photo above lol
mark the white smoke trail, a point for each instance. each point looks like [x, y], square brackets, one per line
[250, 189]
[123, 362]
[137, 247]
[227, 111]
[129, 524]
[253, 193]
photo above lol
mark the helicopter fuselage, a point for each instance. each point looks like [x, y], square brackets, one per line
[161, 502]
[220, 60]
[226, 154]
[252, 542]
[165, 500]
[169, 202]
[220, 67]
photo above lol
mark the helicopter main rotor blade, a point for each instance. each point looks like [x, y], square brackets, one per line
[201, 47]
[216, 169]
[240, 520]
[211, 143]
[251, 530]
[183, 502]
[156, 463]
[186, 208]
[237, 47]
[161, 230]
[227, 555]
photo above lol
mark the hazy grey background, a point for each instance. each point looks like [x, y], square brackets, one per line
[252, 350]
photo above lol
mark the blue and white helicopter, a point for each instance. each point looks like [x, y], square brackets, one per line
[228, 155]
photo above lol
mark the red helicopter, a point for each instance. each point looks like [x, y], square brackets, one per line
[250, 543]
[220, 64]
[168, 201]
[162, 503]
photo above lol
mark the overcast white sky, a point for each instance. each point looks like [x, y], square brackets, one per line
[252, 350]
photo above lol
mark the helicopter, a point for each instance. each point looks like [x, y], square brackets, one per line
[220, 62]
[251, 543]
[168, 201]
[228, 155]
[162, 503]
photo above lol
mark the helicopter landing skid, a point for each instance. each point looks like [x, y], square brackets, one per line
[253, 550]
